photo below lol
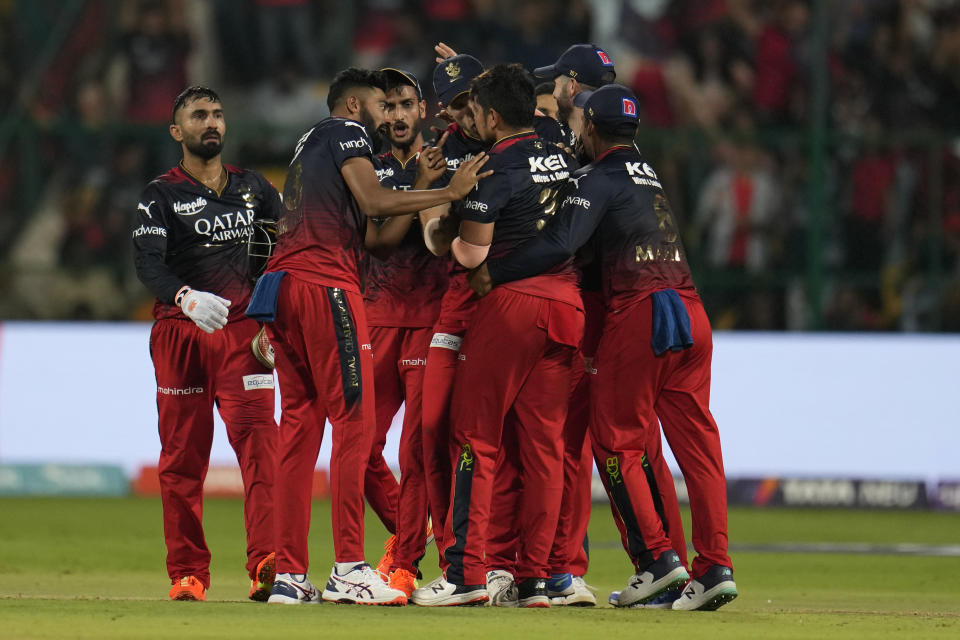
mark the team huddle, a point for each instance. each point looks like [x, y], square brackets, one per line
[518, 284]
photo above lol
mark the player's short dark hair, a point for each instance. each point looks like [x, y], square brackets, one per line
[544, 88]
[617, 134]
[196, 92]
[507, 89]
[352, 78]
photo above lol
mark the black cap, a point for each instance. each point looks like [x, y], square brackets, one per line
[586, 63]
[396, 77]
[453, 76]
[612, 107]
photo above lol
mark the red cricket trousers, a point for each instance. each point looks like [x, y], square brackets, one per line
[516, 358]
[632, 389]
[194, 371]
[325, 369]
[400, 358]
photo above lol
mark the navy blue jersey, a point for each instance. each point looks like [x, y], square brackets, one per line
[519, 198]
[617, 205]
[320, 236]
[405, 289]
[549, 130]
[188, 234]
[458, 148]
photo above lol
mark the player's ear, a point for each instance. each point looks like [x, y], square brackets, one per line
[175, 132]
[353, 104]
[423, 109]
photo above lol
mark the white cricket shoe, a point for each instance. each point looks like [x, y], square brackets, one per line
[361, 585]
[666, 573]
[441, 593]
[293, 588]
[709, 592]
[502, 589]
[582, 595]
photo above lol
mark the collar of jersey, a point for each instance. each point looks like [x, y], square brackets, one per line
[403, 165]
[619, 147]
[200, 182]
[511, 139]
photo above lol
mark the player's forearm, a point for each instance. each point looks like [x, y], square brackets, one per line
[530, 259]
[159, 279]
[382, 240]
[390, 202]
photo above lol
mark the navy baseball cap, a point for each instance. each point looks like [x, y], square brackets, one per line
[453, 76]
[586, 63]
[396, 77]
[612, 107]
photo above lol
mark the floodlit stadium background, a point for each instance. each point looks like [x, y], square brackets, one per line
[832, 127]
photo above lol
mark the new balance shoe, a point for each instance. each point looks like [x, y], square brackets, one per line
[666, 573]
[663, 601]
[501, 589]
[361, 585]
[386, 561]
[709, 592]
[263, 583]
[532, 593]
[403, 580]
[441, 593]
[293, 588]
[188, 588]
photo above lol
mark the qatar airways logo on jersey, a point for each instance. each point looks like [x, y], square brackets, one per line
[190, 208]
[359, 143]
[226, 226]
[475, 205]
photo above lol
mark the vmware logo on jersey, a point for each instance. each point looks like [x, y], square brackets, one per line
[149, 231]
[190, 208]
[475, 205]
[576, 201]
[359, 143]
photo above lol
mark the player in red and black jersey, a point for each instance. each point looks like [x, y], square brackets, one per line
[190, 246]
[310, 295]
[517, 347]
[653, 360]
[403, 288]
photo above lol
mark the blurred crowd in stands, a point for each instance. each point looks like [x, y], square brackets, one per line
[727, 89]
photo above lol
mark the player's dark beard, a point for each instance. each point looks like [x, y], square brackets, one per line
[414, 130]
[206, 149]
[564, 112]
[366, 119]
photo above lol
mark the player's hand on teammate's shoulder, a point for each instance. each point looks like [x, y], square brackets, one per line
[468, 175]
[431, 165]
[480, 281]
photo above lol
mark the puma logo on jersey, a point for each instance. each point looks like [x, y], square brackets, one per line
[146, 208]
[575, 181]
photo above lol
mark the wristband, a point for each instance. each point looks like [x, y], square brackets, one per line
[184, 290]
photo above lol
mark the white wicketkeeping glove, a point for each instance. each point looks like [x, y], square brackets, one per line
[209, 312]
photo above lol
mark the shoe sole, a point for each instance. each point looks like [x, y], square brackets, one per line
[674, 580]
[477, 602]
[721, 596]
[186, 597]
[535, 603]
[399, 601]
[286, 600]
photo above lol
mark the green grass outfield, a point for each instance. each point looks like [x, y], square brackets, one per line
[94, 568]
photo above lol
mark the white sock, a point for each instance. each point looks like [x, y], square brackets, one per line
[343, 568]
[296, 577]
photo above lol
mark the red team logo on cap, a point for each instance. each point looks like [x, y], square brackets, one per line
[604, 58]
[629, 108]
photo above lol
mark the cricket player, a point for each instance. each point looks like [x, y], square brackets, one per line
[310, 297]
[653, 360]
[190, 250]
[403, 288]
[517, 350]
